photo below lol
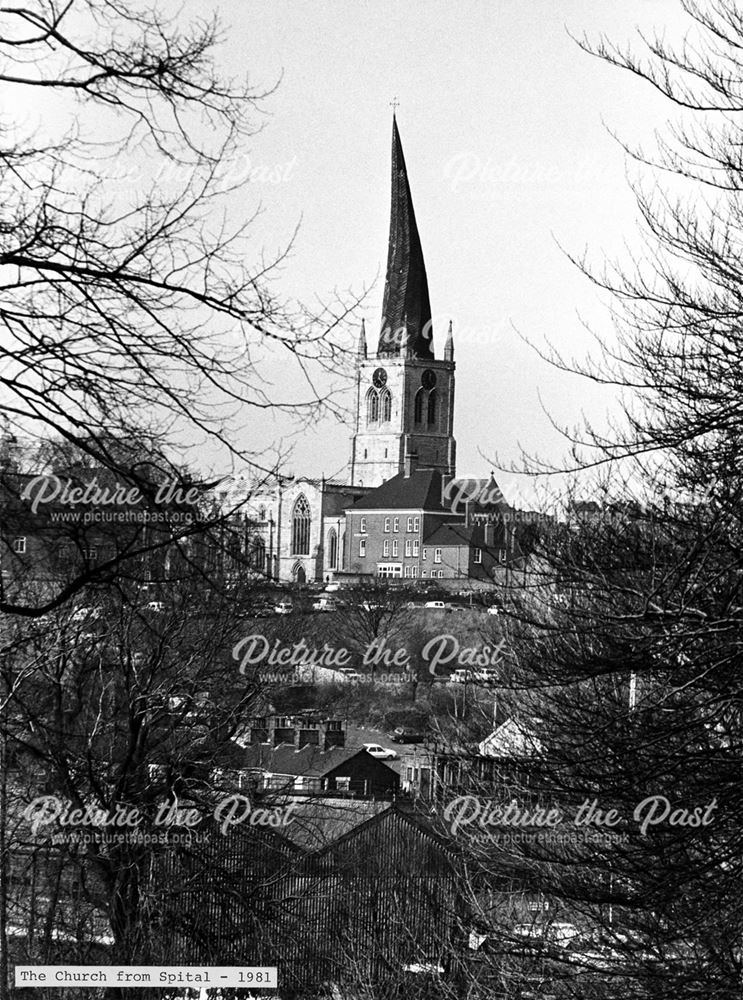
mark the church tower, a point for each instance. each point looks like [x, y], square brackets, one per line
[405, 397]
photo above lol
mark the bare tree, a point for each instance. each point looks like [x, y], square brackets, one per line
[137, 308]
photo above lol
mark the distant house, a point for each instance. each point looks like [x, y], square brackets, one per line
[313, 770]
[511, 739]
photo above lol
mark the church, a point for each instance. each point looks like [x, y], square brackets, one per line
[403, 514]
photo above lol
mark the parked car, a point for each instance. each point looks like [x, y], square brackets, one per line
[438, 605]
[461, 676]
[284, 608]
[156, 606]
[493, 609]
[261, 611]
[381, 753]
[349, 674]
[403, 735]
[325, 604]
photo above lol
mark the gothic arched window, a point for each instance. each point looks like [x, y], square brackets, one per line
[420, 398]
[301, 519]
[258, 554]
[372, 406]
[332, 549]
[432, 407]
[386, 406]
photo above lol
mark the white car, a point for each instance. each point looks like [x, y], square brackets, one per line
[284, 608]
[325, 604]
[381, 753]
[493, 609]
[349, 674]
[157, 606]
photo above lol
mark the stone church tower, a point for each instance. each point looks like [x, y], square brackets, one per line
[405, 397]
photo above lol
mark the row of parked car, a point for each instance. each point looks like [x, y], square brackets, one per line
[326, 603]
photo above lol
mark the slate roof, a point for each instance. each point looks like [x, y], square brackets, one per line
[421, 490]
[406, 302]
[458, 534]
[310, 760]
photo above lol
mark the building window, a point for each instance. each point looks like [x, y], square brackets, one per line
[386, 547]
[362, 547]
[414, 571]
[333, 549]
[502, 556]
[416, 524]
[389, 569]
[407, 571]
[395, 546]
[432, 407]
[387, 524]
[416, 546]
[366, 453]
[410, 524]
[408, 547]
[437, 555]
[425, 553]
[396, 524]
[90, 554]
[261, 513]
[19, 545]
[477, 555]
[423, 572]
[386, 406]
[301, 519]
[362, 526]
[420, 398]
[372, 407]
[258, 554]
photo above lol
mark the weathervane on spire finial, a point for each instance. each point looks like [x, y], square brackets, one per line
[394, 104]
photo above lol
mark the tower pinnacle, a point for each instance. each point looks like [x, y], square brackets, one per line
[449, 346]
[361, 351]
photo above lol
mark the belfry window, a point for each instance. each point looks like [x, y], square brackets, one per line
[420, 398]
[372, 406]
[432, 401]
[386, 406]
[301, 519]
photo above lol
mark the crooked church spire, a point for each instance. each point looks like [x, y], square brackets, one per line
[406, 311]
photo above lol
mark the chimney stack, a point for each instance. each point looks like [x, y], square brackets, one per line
[410, 463]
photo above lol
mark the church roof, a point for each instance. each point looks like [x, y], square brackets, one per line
[421, 490]
[406, 304]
